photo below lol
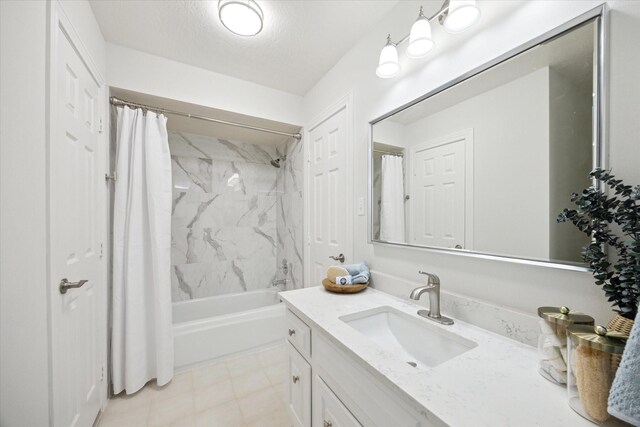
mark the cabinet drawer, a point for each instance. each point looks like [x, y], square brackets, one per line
[298, 388]
[299, 334]
[328, 410]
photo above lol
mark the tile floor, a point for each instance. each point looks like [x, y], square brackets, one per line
[240, 392]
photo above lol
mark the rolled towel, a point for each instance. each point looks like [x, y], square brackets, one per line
[625, 391]
[359, 272]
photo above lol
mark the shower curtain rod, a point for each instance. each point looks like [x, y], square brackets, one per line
[389, 152]
[120, 102]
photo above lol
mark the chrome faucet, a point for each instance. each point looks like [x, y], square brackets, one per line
[433, 287]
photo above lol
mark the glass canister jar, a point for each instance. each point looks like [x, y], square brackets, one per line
[594, 357]
[552, 342]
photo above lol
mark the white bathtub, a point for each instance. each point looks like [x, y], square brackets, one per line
[209, 328]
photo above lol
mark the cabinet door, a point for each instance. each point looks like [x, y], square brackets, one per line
[299, 388]
[328, 410]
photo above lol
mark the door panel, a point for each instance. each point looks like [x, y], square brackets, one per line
[328, 202]
[75, 195]
[438, 211]
[298, 388]
[328, 410]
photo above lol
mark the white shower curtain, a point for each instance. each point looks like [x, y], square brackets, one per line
[141, 336]
[392, 200]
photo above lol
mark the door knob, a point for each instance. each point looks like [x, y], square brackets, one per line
[65, 285]
[338, 258]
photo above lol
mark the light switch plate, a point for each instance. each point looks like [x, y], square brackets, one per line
[360, 206]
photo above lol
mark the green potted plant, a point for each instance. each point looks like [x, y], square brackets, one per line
[612, 221]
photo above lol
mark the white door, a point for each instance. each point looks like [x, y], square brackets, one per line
[329, 205]
[76, 199]
[439, 194]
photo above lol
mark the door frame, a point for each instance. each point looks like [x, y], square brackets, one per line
[345, 102]
[58, 19]
[465, 135]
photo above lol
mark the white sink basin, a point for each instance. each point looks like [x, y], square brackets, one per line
[415, 341]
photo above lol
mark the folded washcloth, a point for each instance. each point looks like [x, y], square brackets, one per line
[359, 272]
[625, 391]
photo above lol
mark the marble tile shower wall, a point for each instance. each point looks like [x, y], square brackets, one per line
[289, 217]
[226, 204]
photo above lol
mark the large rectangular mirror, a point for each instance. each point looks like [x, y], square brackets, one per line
[485, 164]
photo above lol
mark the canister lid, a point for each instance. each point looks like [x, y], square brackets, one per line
[598, 338]
[563, 316]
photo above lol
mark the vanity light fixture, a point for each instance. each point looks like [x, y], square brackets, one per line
[420, 40]
[454, 15]
[388, 65]
[241, 17]
[460, 15]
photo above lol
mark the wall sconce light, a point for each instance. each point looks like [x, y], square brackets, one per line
[454, 15]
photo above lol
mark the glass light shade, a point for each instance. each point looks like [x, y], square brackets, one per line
[420, 40]
[388, 66]
[241, 17]
[461, 15]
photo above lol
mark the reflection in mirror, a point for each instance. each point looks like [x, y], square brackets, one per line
[486, 165]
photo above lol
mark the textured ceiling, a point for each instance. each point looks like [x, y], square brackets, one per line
[300, 42]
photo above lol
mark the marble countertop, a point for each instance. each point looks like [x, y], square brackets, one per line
[494, 384]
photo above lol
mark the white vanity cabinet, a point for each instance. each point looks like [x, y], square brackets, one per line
[298, 388]
[342, 393]
[328, 410]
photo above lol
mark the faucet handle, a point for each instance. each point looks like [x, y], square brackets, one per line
[431, 278]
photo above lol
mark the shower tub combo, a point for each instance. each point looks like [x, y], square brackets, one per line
[219, 326]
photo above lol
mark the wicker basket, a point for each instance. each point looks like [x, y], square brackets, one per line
[621, 324]
[343, 289]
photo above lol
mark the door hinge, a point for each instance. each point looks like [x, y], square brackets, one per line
[101, 250]
[100, 128]
[102, 373]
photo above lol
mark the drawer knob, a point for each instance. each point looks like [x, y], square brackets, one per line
[292, 332]
[327, 423]
[295, 379]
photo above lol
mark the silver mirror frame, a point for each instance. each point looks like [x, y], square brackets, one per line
[599, 128]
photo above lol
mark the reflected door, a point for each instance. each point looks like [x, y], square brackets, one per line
[329, 207]
[438, 192]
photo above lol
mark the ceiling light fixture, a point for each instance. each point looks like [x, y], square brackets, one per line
[454, 15]
[241, 17]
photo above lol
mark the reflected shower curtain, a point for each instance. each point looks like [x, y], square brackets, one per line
[141, 336]
[392, 200]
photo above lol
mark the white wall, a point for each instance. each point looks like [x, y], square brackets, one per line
[24, 376]
[570, 125]
[24, 305]
[142, 72]
[510, 151]
[504, 26]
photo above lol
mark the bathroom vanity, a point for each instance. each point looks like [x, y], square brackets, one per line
[368, 359]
